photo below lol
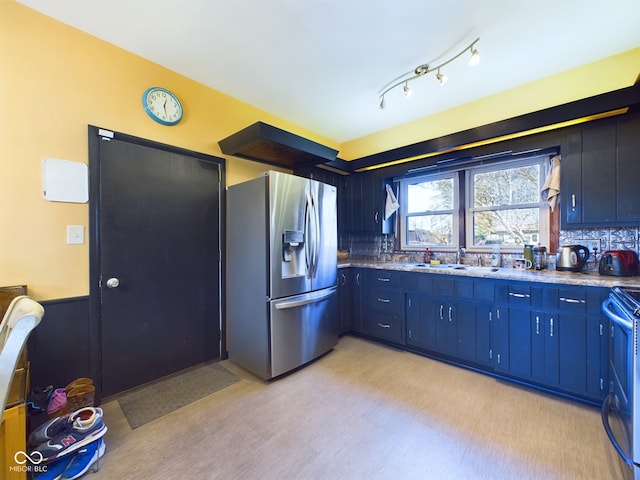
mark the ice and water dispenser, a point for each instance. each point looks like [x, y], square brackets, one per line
[293, 264]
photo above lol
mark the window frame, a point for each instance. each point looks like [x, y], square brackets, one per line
[544, 236]
[462, 213]
[454, 212]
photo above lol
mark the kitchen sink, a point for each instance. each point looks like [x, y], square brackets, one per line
[456, 266]
[475, 268]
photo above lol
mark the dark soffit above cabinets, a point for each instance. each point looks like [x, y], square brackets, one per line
[265, 143]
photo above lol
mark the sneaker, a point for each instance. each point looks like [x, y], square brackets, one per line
[83, 427]
[53, 428]
[54, 469]
[86, 459]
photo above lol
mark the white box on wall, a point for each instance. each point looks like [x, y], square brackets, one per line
[65, 181]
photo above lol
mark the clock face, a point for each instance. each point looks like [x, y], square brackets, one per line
[162, 105]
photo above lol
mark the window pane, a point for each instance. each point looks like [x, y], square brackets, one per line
[430, 230]
[430, 196]
[507, 187]
[506, 227]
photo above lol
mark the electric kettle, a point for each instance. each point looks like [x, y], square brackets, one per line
[571, 258]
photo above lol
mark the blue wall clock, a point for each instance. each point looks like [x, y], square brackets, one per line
[162, 105]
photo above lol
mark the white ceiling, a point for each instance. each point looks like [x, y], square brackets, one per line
[322, 63]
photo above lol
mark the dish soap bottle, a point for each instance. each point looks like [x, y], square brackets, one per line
[495, 257]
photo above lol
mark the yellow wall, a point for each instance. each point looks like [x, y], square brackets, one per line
[56, 80]
[618, 71]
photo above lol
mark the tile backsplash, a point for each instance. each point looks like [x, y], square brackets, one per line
[619, 238]
[381, 247]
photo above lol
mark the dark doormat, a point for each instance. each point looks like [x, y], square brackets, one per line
[155, 400]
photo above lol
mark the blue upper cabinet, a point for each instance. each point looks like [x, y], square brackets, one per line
[366, 195]
[600, 167]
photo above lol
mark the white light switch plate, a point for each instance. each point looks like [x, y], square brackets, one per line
[75, 234]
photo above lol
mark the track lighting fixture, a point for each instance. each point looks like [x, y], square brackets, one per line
[422, 70]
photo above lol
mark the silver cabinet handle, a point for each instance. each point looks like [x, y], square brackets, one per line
[571, 300]
[551, 327]
[358, 278]
[450, 314]
[573, 202]
[376, 216]
[441, 307]
[113, 282]
[384, 325]
[519, 295]
[537, 325]
[384, 300]
[382, 279]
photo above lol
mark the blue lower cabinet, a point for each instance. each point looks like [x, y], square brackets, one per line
[555, 345]
[458, 330]
[513, 348]
[534, 333]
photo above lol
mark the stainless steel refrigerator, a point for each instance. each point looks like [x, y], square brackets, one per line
[281, 273]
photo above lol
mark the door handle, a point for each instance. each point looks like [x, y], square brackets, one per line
[113, 282]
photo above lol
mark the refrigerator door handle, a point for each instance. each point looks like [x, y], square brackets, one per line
[308, 254]
[311, 225]
[316, 218]
[305, 299]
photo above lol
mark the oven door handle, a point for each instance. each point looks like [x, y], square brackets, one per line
[606, 405]
[608, 310]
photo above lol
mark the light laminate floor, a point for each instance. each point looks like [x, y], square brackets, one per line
[365, 411]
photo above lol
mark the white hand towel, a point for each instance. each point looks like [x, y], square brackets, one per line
[391, 204]
[551, 189]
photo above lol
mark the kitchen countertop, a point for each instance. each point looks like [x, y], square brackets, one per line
[592, 279]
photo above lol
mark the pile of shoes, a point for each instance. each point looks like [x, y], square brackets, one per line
[70, 445]
[77, 394]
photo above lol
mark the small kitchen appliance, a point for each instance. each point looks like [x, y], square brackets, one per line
[619, 263]
[539, 258]
[571, 258]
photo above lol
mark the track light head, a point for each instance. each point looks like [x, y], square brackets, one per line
[475, 57]
[406, 90]
[441, 77]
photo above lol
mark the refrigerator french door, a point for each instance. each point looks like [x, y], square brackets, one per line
[282, 268]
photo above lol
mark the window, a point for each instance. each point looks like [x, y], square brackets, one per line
[429, 214]
[503, 207]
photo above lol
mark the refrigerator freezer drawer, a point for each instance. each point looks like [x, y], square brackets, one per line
[302, 328]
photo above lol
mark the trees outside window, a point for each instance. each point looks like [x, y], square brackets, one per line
[503, 202]
[428, 214]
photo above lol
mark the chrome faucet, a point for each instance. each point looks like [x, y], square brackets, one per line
[460, 255]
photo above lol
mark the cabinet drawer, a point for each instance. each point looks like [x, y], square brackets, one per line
[384, 300]
[384, 278]
[519, 295]
[385, 327]
[572, 300]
